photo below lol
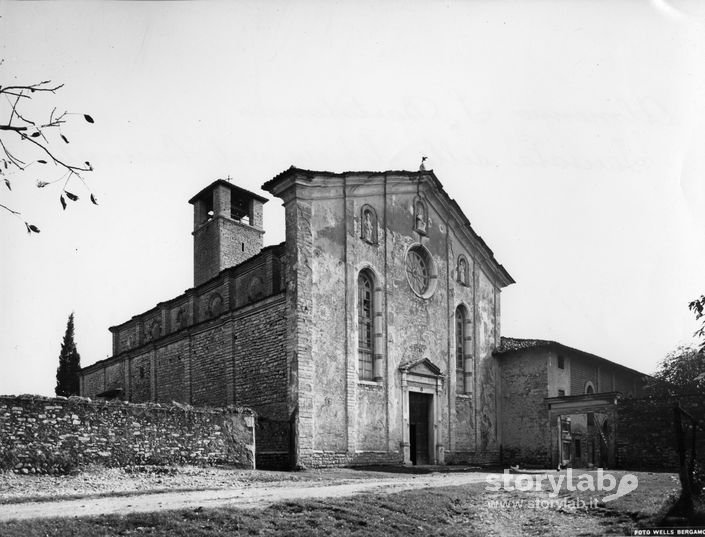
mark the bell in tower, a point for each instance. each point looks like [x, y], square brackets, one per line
[227, 228]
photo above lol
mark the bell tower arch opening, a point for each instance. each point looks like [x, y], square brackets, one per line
[227, 228]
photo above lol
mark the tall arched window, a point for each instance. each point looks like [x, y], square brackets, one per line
[460, 349]
[365, 321]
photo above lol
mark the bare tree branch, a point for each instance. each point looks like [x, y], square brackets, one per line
[32, 136]
[10, 210]
[39, 86]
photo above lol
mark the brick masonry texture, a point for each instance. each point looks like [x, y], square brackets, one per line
[54, 435]
[646, 435]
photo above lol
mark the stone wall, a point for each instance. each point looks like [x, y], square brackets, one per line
[54, 435]
[645, 432]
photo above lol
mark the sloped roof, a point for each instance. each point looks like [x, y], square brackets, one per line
[510, 345]
[239, 191]
[270, 185]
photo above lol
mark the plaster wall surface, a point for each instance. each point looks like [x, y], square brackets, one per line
[558, 378]
[340, 415]
[525, 427]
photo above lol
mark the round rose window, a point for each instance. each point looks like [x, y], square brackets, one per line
[419, 271]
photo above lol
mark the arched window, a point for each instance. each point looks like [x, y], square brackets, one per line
[365, 321]
[463, 351]
[589, 388]
[460, 349]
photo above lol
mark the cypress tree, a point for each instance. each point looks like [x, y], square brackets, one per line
[67, 380]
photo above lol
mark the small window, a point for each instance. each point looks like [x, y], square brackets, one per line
[589, 388]
[561, 393]
[578, 452]
[561, 363]
[141, 372]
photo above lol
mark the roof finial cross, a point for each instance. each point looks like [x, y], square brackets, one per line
[228, 178]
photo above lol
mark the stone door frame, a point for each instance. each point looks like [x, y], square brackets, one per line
[422, 376]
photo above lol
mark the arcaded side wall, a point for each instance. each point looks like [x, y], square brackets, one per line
[236, 359]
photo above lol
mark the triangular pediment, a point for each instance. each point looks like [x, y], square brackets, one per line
[422, 366]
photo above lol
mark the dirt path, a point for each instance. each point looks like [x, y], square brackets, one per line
[243, 497]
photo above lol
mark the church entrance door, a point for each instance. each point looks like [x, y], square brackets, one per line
[420, 426]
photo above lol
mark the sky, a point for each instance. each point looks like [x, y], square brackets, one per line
[570, 133]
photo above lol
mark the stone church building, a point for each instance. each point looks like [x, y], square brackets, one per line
[366, 337]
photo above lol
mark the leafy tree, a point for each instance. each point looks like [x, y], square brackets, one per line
[682, 372]
[697, 306]
[30, 142]
[67, 379]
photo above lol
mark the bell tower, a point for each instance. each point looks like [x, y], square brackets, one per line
[227, 228]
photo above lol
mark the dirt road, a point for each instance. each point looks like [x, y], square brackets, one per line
[241, 497]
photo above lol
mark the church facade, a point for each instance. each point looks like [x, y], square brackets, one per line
[365, 337]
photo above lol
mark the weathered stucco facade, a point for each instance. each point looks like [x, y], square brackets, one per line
[367, 336]
[331, 241]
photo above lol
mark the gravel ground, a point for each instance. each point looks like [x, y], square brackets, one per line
[100, 481]
[159, 489]
[266, 494]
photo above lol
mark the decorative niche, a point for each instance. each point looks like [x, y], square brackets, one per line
[215, 305]
[420, 216]
[255, 289]
[462, 271]
[181, 318]
[368, 224]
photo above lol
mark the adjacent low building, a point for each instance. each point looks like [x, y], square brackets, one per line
[558, 405]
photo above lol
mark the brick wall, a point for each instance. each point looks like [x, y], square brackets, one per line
[211, 355]
[645, 432]
[140, 378]
[582, 371]
[171, 363]
[259, 347]
[48, 435]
